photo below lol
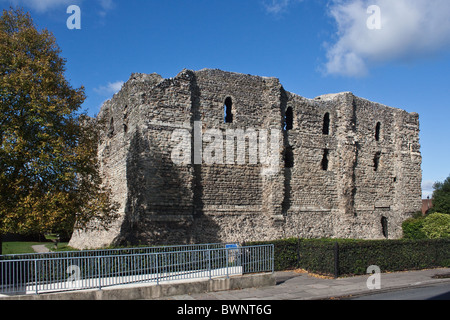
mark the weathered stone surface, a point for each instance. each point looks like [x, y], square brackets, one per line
[371, 172]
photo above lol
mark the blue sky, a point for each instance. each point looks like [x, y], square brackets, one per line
[313, 46]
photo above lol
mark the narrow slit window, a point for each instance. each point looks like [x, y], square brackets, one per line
[125, 112]
[325, 160]
[384, 227]
[228, 110]
[376, 161]
[378, 131]
[111, 128]
[326, 124]
[289, 157]
[289, 119]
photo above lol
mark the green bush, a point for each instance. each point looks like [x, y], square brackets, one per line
[436, 226]
[413, 228]
[433, 226]
[355, 256]
[286, 252]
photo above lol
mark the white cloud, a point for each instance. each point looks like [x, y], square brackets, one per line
[410, 30]
[427, 185]
[106, 5]
[278, 6]
[42, 5]
[110, 89]
[427, 188]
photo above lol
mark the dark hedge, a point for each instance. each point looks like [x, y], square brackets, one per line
[353, 257]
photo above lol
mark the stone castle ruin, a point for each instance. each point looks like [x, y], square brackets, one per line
[212, 156]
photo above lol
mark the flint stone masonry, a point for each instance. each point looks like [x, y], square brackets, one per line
[345, 167]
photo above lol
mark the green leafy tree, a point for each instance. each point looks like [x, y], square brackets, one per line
[49, 177]
[441, 197]
[436, 226]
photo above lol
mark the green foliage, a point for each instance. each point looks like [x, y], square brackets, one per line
[436, 225]
[413, 228]
[286, 250]
[48, 169]
[433, 226]
[441, 197]
[19, 247]
[355, 256]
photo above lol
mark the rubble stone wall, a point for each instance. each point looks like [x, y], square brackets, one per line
[347, 168]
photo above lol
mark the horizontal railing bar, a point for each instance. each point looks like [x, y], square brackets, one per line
[115, 250]
[131, 254]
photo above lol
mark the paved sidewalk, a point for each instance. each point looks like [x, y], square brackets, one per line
[301, 286]
[40, 249]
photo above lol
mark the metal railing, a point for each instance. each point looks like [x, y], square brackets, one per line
[117, 251]
[44, 275]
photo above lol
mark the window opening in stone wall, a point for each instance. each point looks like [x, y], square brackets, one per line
[378, 131]
[384, 227]
[289, 119]
[289, 157]
[376, 161]
[111, 128]
[325, 160]
[228, 110]
[326, 124]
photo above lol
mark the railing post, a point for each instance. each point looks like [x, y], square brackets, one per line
[336, 260]
[226, 255]
[36, 276]
[272, 257]
[99, 273]
[157, 269]
[209, 263]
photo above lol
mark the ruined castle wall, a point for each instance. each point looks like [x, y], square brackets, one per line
[407, 167]
[313, 188]
[113, 150]
[364, 182]
[347, 168]
[311, 191]
[225, 186]
[372, 172]
[235, 199]
[159, 192]
[155, 195]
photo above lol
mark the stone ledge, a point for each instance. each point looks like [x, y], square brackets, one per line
[141, 292]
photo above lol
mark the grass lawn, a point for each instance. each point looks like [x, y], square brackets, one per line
[19, 247]
[26, 247]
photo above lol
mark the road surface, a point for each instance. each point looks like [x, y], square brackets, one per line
[434, 292]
